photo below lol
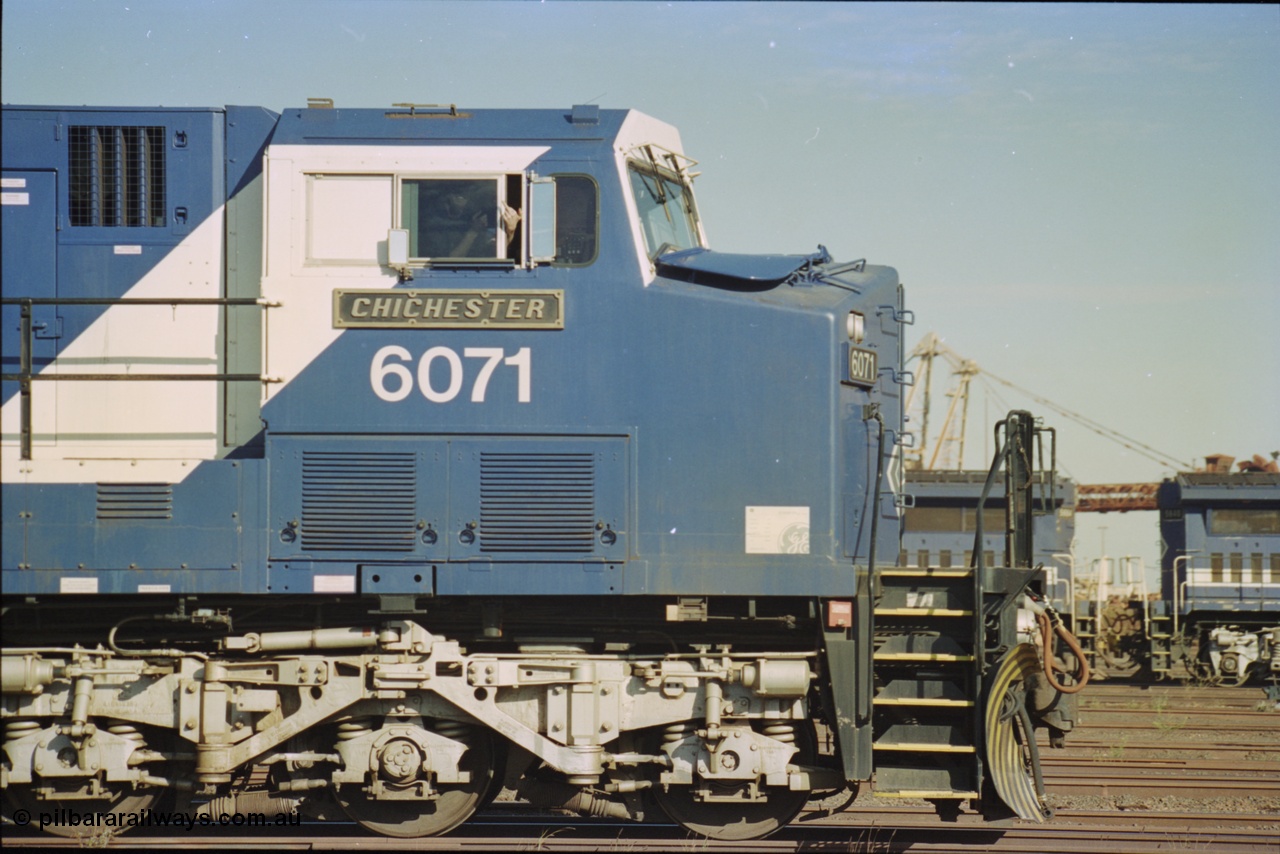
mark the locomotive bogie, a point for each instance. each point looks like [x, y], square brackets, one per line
[1238, 654]
[396, 716]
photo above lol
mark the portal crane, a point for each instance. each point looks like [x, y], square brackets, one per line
[952, 435]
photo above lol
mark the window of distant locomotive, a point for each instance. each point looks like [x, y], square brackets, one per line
[577, 220]
[459, 218]
[988, 558]
[961, 519]
[665, 205]
[1237, 522]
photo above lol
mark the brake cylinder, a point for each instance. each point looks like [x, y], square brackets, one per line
[25, 674]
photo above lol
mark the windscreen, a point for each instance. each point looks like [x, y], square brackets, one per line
[667, 216]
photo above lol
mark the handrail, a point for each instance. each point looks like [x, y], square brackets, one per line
[265, 303]
[25, 376]
[1177, 589]
[1057, 584]
[1142, 586]
[1070, 582]
[867, 612]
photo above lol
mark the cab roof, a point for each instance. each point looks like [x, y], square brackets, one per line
[418, 123]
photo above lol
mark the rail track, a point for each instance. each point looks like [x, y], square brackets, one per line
[1216, 696]
[1169, 768]
[860, 830]
[1185, 744]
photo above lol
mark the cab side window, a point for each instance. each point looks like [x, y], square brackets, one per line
[481, 220]
[459, 218]
[577, 220]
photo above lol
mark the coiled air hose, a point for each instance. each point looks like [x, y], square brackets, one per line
[1050, 623]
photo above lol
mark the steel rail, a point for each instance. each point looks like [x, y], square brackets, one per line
[874, 833]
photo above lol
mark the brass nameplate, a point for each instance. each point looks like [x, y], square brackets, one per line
[448, 309]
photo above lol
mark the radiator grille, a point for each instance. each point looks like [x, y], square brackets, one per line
[116, 176]
[358, 501]
[120, 501]
[537, 502]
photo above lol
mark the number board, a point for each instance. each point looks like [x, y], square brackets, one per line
[862, 366]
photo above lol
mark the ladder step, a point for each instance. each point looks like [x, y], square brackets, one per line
[892, 647]
[938, 772]
[922, 612]
[925, 747]
[927, 794]
[901, 572]
[916, 690]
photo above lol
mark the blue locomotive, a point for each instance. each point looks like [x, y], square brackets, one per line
[1220, 571]
[375, 460]
[939, 525]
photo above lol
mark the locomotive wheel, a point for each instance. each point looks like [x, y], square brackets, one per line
[1119, 665]
[735, 821]
[498, 763]
[120, 804]
[455, 803]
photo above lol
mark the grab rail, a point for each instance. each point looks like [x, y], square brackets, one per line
[25, 377]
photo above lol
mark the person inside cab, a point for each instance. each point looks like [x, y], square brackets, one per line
[464, 218]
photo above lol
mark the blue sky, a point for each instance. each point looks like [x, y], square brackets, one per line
[1083, 199]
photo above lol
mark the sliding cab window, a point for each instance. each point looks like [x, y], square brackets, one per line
[664, 202]
[464, 220]
[577, 220]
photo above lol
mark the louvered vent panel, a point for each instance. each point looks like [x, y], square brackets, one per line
[537, 502]
[135, 501]
[358, 501]
[116, 176]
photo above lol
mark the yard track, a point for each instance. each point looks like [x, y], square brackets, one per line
[1164, 768]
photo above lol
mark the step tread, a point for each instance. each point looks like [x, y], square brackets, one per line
[920, 701]
[920, 656]
[922, 612]
[927, 794]
[925, 573]
[925, 747]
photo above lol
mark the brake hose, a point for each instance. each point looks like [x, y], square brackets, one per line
[1050, 623]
